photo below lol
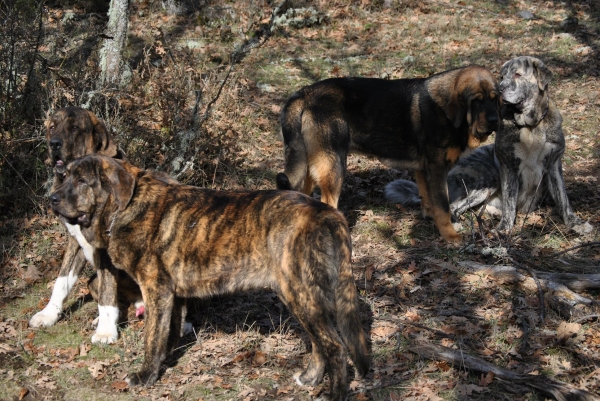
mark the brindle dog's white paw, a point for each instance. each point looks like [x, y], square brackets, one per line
[105, 338]
[44, 318]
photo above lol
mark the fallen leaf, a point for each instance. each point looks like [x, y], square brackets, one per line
[119, 385]
[486, 380]
[259, 358]
[567, 330]
[23, 393]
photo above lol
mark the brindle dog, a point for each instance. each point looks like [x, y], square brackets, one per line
[422, 124]
[180, 241]
[72, 132]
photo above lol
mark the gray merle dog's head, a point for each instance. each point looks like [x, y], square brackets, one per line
[523, 85]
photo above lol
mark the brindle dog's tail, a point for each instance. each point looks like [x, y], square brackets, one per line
[296, 159]
[347, 308]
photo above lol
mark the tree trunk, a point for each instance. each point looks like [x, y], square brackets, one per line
[111, 58]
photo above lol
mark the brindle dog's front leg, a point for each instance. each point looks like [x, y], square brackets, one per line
[159, 309]
[108, 308]
[71, 267]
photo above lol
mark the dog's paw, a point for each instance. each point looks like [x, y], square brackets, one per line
[306, 379]
[582, 228]
[104, 338]
[146, 379]
[106, 333]
[44, 318]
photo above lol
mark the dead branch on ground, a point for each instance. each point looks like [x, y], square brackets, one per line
[559, 287]
[547, 385]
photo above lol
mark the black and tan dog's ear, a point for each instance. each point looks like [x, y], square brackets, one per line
[542, 74]
[457, 108]
[104, 142]
[120, 180]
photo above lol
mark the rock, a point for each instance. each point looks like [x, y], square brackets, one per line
[526, 14]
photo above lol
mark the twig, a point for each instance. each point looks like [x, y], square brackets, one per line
[593, 243]
[537, 283]
[436, 332]
[581, 319]
[237, 56]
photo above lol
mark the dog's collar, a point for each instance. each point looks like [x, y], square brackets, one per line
[112, 223]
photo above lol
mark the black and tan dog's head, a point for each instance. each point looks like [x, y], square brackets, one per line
[74, 132]
[91, 184]
[474, 99]
[523, 85]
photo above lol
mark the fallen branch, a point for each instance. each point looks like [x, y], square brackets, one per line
[547, 385]
[560, 287]
[595, 243]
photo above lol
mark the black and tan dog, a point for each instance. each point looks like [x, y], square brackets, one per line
[72, 132]
[526, 159]
[180, 241]
[417, 124]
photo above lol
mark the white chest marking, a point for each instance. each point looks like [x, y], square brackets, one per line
[531, 151]
[88, 249]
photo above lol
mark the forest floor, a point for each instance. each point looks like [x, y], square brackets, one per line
[414, 289]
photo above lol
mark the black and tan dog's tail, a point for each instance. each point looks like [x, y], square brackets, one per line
[296, 158]
[347, 309]
[403, 192]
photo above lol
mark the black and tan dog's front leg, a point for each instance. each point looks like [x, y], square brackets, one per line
[72, 265]
[158, 340]
[108, 308]
[437, 186]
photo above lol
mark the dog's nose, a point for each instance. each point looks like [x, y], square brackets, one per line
[55, 198]
[492, 118]
[56, 143]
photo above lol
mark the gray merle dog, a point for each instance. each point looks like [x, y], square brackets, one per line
[524, 162]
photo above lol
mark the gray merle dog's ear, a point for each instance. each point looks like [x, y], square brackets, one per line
[120, 181]
[104, 142]
[542, 74]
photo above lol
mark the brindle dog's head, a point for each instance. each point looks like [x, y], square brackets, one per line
[94, 186]
[523, 85]
[474, 99]
[74, 132]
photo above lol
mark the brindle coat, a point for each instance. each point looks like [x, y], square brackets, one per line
[72, 132]
[181, 241]
[418, 124]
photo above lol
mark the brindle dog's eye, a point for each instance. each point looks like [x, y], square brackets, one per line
[75, 128]
[81, 181]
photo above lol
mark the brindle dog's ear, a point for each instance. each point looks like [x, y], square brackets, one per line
[542, 74]
[120, 180]
[104, 142]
